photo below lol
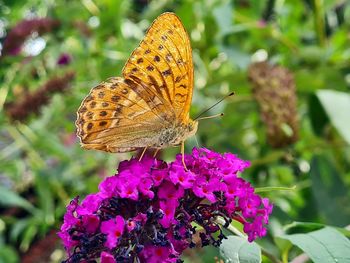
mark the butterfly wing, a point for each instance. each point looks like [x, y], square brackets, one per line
[119, 116]
[123, 114]
[163, 61]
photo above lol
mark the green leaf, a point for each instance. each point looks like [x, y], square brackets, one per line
[28, 237]
[238, 250]
[46, 203]
[323, 246]
[298, 227]
[223, 17]
[9, 198]
[318, 116]
[18, 228]
[8, 254]
[330, 191]
[337, 107]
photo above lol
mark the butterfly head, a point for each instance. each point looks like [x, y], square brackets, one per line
[186, 130]
[192, 127]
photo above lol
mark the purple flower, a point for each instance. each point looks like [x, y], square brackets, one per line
[127, 185]
[91, 223]
[255, 229]
[70, 221]
[250, 205]
[178, 175]
[114, 229]
[145, 212]
[89, 205]
[69, 218]
[108, 187]
[267, 210]
[107, 258]
[204, 189]
[168, 191]
[168, 208]
[64, 59]
[145, 186]
[23, 29]
[153, 254]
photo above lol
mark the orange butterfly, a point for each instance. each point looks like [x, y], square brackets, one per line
[149, 106]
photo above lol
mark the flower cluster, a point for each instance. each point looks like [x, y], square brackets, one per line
[274, 90]
[18, 34]
[30, 103]
[145, 212]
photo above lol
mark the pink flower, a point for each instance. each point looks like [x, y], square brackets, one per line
[70, 221]
[169, 191]
[68, 241]
[250, 205]
[107, 258]
[168, 207]
[158, 176]
[69, 217]
[204, 189]
[142, 218]
[127, 185]
[130, 225]
[145, 186]
[178, 175]
[89, 205]
[230, 205]
[267, 210]
[114, 229]
[153, 254]
[91, 223]
[108, 187]
[255, 229]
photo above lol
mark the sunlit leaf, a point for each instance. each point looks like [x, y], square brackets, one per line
[323, 246]
[238, 250]
[337, 107]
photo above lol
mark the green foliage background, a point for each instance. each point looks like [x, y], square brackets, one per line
[42, 165]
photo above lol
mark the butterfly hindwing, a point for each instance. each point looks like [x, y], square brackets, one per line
[117, 114]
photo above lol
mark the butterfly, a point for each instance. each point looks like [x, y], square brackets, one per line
[148, 107]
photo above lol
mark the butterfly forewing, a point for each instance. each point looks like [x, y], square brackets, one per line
[163, 61]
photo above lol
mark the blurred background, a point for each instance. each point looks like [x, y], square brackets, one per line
[288, 63]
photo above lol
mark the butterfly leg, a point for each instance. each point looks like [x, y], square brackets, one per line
[155, 152]
[183, 155]
[143, 153]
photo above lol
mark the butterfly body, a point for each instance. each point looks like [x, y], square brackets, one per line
[149, 105]
[173, 136]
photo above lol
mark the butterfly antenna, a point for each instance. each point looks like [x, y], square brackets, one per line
[210, 117]
[221, 114]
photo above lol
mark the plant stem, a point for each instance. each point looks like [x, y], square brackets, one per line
[274, 188]
[272, 157]
[319, 22]
[236, 232]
